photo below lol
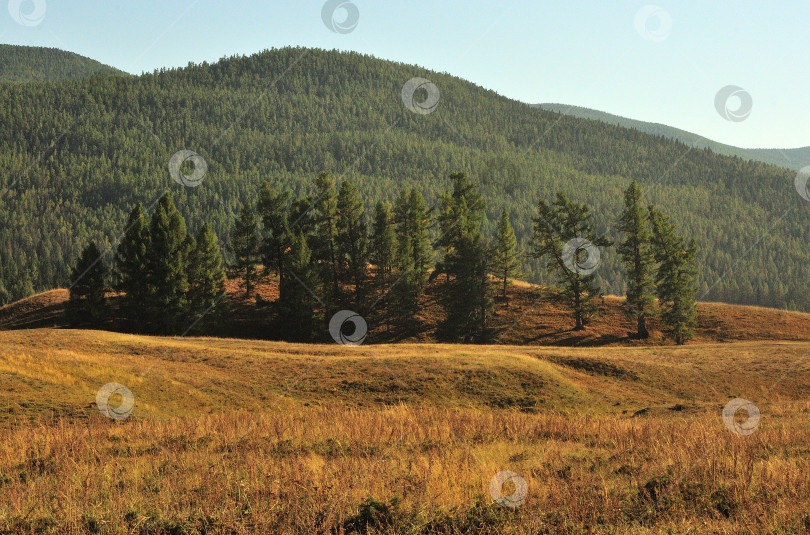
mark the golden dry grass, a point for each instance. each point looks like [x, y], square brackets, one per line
[235, 436]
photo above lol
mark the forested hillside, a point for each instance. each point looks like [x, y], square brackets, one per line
[795, 158]
[36, 64]
[77, 155]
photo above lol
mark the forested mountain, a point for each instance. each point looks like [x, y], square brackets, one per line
[790, 158]
[75, 156]
[37, 64]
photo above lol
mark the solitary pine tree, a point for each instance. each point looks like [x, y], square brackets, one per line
[272, 210]
[505, 262]
[564, 235]
[245, 243]
[352, 242]
[637, 255]
[206, 280]
[131, 267]
[88, 303]
[166, 268]
[676, 277]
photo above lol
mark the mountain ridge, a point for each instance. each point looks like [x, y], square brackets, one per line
[794, 158]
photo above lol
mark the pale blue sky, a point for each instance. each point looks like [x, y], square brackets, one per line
[590, 54]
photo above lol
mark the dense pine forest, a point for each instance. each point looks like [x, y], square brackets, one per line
[77, 155]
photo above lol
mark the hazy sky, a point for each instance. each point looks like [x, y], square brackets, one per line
[664, 63]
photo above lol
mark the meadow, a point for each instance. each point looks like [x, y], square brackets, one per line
[247, 436]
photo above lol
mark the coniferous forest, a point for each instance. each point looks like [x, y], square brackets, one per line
[328, 261]
[77, 155]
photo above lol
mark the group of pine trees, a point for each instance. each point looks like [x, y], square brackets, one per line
[328, 255]
[169, 280]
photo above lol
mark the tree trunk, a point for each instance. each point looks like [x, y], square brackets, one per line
[642, 327]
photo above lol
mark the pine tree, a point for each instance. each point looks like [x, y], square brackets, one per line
[382, 252]
[324, 239]
[421, 249]
[564, 235]
[206, 280]
[466, 295]
[245, 243]
[167, 268]
[676, 277]
[352, 242]
[88, 303]
[505, 254]
[637, 255]
[131, 268]
[298, 291]
[272, 209]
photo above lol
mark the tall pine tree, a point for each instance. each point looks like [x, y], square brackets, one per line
[206, 280]
[383, 251]
[466, 295]
[272, 210]
[676, 277]
[297, 291]
[130, 270]
[245, 243]
[352, 243]
[505, 262]
[166, 268]
[637, 255]
[88, 303]
[324, 239]
[564, 235]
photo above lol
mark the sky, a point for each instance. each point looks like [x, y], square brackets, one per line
[734, 72]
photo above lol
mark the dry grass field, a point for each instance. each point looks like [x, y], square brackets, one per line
[243, 436]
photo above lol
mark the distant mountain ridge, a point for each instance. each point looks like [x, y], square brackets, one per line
[791, 158]
[40, 64]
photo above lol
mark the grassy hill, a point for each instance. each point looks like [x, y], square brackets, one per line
[534, 316]
[75, 157]
[39, 64]
[791, 158]
[405, 438]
